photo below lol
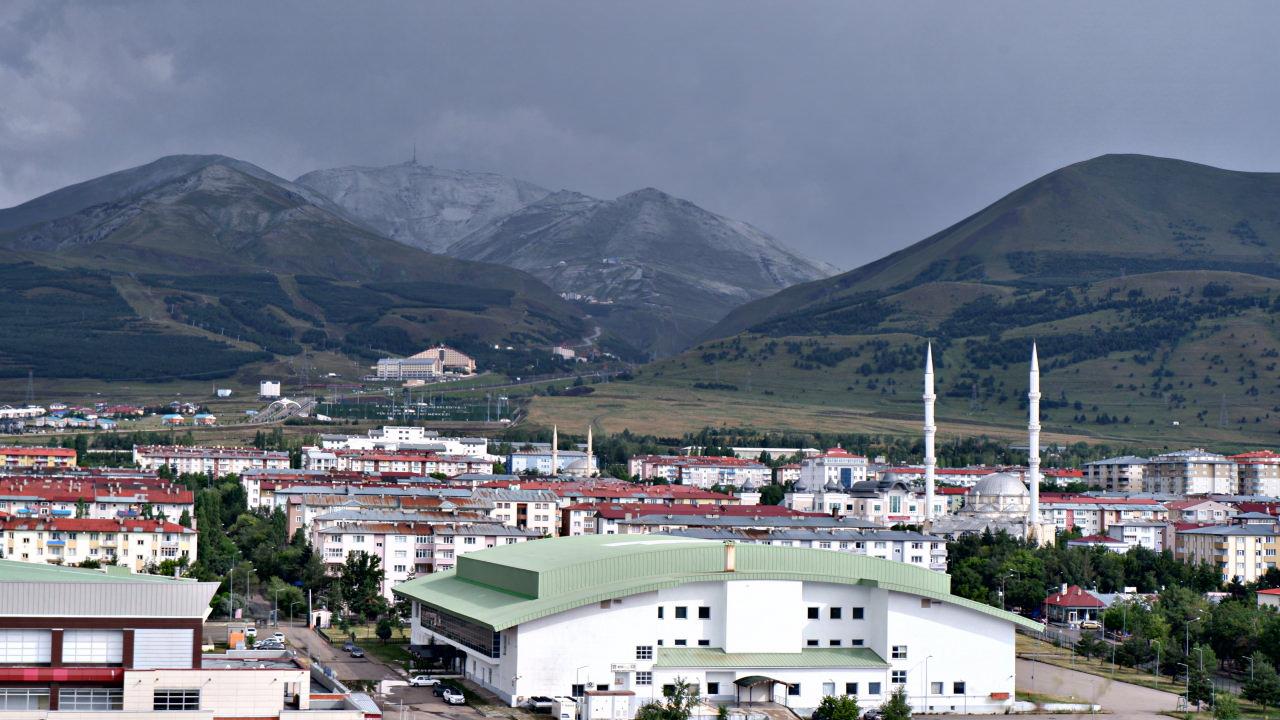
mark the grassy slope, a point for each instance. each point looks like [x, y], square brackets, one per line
[774, 393]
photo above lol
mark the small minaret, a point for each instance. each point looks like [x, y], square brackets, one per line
[1033, 439]
[930, 429]
[591, 458]
[555, 451]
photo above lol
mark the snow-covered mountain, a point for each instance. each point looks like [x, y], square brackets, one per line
[421, 205]
[659, 269]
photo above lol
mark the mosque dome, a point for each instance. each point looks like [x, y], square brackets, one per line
[1001, 484]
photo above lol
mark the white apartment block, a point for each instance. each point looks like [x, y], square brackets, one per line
[212, 461]
[924, 551]
[1190, 472]
[1258, 473]
[130, 543]
[536, 510]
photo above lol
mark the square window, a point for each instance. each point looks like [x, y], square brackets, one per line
[704, 613]
[793, 689]
[578, 691]
[644, 652]
[873, 688]
[957, 688]
[899, 652]
[813, 613]
[935, 688]
[835, 613]
[851, 688]
[898, 677]
[682, 612]
[856, 613]
[713, 688]
[644, 677]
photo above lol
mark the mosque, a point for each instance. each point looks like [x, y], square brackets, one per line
[1006, 501]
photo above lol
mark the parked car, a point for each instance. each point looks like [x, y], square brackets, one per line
[423, 681]
[454, 697]
[357, 652]
[277, 637]
[541, 703]
[438, 690]
[348, 646]
[872, 714]
[1090, 625]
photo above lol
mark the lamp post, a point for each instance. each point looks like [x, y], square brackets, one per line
[1187, 695]
[291, 606]
[1250, 668]
[1158, 645]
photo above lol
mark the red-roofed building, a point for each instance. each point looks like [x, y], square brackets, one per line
[132, 543]
[621, 492]
[36, 457]
[1269, 598]
[595, 518]
[1258, 473]
[1072, 606]
[44, 496]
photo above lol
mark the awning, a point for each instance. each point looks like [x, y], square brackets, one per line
[754, 680]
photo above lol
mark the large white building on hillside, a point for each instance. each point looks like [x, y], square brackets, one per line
[1190, 472]
[616, 620]
[832, 470]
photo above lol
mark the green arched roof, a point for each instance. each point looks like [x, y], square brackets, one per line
[512, 584]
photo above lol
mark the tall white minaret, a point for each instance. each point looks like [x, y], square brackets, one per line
[929, 431]
[1033, 439]
[591, 456]
[555, 451]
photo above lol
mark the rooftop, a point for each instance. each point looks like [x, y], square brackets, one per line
[513, 584]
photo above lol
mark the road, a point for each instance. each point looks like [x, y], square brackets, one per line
[1122, 700]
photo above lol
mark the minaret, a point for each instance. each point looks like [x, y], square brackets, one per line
[929, 431]
[555, 451]
[591, 460]
[1033, 439]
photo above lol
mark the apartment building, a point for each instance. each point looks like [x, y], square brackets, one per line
[1200, 510]
[37, 457]
[700, 471]
[1190, 472]
[1243, 550]
[1257, 473]
[211, 461]
[62, 497]
[1095, 515]
[886, 501]
[536, 510]
[1117, 474]
[593, 518]
[403, 462]
[135, 544]
[408, 546]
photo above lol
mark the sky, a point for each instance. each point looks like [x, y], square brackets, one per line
[845, 129]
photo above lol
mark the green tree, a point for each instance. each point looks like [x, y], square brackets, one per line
[1199, 688]
[82, 508]
[1226, 707]
[384, 629]
[185, 518]
[896, 707]
[1088, 645]
[361, 582]
[837, 707]
[772, 494]
[1264, 685]
[676, 704]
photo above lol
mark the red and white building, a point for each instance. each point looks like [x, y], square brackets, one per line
[1072, 606]
[212, 461]
[1257, 473]
[131, 543]
[835, 468]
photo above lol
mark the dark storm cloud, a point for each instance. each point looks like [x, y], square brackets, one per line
[846, 129]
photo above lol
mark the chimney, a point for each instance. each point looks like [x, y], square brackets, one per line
[1064, 588]
[730, 552]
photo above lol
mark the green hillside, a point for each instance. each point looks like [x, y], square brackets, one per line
[202, 274]
[1151, 287]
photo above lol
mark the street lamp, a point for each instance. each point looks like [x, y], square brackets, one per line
[1003, 579]
[1158, 646]
[295, 602]
[1250, 668]
[1187, 696]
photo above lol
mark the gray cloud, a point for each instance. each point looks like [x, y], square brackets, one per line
[847, 129]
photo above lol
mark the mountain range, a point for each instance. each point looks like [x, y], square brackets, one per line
[653, 269]
[1151, 286]
[194, 266]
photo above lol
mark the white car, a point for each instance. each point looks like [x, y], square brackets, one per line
[423, 681]
[453, 697]
[277, 637]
